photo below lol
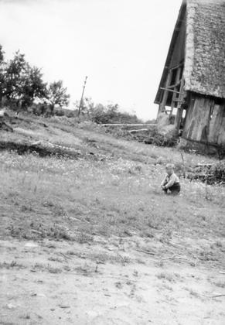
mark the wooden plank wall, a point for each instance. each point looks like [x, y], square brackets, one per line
[217, 125]
[205, 121]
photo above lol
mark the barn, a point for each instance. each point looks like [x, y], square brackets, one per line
[192, 86]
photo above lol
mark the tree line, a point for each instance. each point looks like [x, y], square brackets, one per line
[22, 88]
[22, 84]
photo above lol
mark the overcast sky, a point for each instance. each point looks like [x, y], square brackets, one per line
[121, 45]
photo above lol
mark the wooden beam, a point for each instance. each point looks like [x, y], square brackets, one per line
[178, 65]
[175, 85]
[180, 107]
[127, 124]
[171, 90]
[165, 93]
[174, 97]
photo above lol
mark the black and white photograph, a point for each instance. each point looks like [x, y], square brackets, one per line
[112, 162]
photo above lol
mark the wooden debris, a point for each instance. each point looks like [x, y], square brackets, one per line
[139, 130]
[217, 296]
[36, 231]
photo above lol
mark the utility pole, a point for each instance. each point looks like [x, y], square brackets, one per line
[81, 100]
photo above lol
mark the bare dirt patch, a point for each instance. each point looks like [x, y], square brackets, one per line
[65, 283]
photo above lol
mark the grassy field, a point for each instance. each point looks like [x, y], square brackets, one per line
[105, 207]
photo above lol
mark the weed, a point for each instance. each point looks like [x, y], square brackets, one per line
[166, 276]
[58, 210]
[50, 245]
[161, 263]
[147, 234]
[218, 243]
[54, 270]
[38, 266]
[56, 259]
[193, 292]
[14, 232]
[85, 270]
[153, 224]
[135, 273]
[48, 204]
[83, 238]
[153, 155]
[27, 316]
[125, 260]
[140, 261]
[25, 208]
[56, 232]
[220, 284]
[71, 253]
[118, 285]
[208, 256]
[208, 194]
[167, 287]
[13, 264]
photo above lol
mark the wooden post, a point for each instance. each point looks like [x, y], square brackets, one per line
[165, 94]
[179, 106]
[81, 100]
[175, 94]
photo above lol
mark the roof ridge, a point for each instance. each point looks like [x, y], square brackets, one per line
[189, 59]
[205, 1]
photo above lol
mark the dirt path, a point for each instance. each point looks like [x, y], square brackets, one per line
[49, 282]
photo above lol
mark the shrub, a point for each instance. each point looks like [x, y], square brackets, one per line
[107, 114]
[162, 140]
[218, 171]
[210, 174]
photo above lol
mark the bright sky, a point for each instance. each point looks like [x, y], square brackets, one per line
[121, 45]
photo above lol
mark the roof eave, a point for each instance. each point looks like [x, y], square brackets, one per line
[170, 52]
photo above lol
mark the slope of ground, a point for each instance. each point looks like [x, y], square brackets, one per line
[87, 237]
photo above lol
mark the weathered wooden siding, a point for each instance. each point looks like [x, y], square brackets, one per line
[205, 121]
[217, 125]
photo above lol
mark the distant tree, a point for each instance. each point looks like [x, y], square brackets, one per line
[21, 82]
[104, 114]
[32, 86]
[1, 73]
[14, 77]
[1, 54]
[57, 95]
[110, 113]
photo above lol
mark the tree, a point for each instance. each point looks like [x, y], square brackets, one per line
[32, 86]
[57, 95]
[110, 113]
[2, 74]
[15, 75]
[1, 54]
[19, 82]
[104, 114]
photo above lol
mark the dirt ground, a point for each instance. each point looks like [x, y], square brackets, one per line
[52, 282]
[94, 241]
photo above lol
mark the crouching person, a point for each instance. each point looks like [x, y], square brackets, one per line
[171, 182]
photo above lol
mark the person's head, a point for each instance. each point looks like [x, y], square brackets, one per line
[169, 169]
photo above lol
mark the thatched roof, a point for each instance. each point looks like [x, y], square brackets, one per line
[204, 66]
